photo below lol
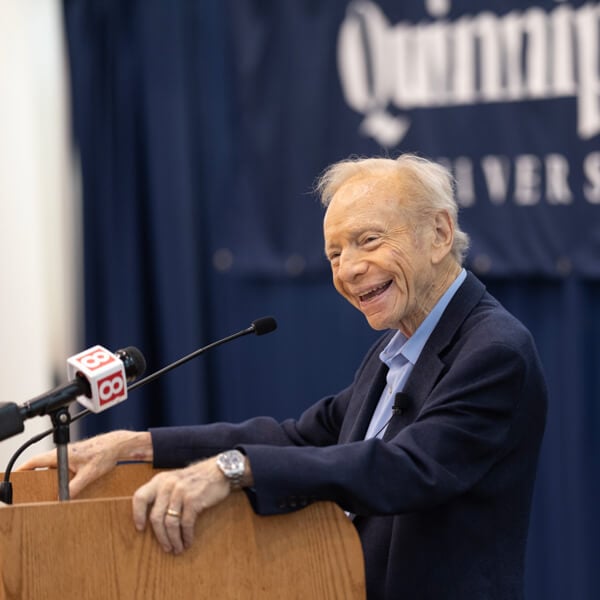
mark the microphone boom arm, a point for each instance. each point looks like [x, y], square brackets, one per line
[187, 358]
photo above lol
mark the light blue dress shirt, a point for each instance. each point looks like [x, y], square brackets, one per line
[401, 355]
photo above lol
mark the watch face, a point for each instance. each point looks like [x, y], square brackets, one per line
[231, 463]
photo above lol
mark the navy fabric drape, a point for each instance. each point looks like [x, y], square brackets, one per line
[564, 320]
[201, 127]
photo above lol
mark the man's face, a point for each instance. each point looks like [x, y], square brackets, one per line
[379, 264]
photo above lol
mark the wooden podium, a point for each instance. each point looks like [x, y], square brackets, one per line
[88, 548]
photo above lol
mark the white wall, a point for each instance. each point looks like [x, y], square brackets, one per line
[39, 213]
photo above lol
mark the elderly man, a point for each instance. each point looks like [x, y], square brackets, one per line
[432, 449]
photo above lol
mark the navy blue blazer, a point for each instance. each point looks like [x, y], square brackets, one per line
[442, 502]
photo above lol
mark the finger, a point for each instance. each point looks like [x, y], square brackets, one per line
[172, 522]
[158, 522]
[46, 460]
[188, 523]
[83, 478]
[142, 498]
[158, 493]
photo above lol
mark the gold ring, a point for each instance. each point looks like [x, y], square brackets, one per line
[173, 513]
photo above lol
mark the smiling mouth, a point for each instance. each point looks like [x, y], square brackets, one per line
[375, 292]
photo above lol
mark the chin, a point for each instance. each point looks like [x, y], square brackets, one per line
[377, 325]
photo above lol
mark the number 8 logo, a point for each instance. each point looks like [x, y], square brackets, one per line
[110, 388]
[95, 359]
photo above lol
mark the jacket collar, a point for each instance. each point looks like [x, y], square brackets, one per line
[427, 369]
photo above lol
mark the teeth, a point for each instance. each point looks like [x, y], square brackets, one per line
[373, 292]
[375, 289]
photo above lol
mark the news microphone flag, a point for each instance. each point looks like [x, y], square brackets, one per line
[104, 372]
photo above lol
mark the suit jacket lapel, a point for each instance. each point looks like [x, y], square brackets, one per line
[366, 397]
[369, 404]
[429, 365]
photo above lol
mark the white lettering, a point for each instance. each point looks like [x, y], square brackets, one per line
[496, 171]
[524, 180]
[527, 180]
[463, 173]
[591, 169]
[587, 23]
[512, 31]
[536, 58]
[562, 60]
[557, 180]
[486, 58]
[361, 57]
[491, 65]
[437, 8]
[463, 82]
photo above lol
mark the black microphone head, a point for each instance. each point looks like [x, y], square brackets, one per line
[264, 325]
[134, 362]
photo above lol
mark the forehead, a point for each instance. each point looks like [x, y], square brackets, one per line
[367, 198]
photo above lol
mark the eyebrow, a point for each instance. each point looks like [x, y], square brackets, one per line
[357, 232]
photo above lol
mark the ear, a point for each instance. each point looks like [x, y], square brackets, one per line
[443, 237]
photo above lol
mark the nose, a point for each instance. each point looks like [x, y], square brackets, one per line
[351, 265]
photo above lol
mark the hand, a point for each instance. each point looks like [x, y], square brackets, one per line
[90, 459]
[177, 498]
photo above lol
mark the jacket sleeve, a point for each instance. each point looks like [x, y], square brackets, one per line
[488, 406]
[318, 426]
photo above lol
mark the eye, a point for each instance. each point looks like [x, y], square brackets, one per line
[332, 255]
[370, 239]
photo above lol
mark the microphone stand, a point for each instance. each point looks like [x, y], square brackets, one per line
[61, 420]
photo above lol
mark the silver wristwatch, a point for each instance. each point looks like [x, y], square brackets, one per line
[233, 465]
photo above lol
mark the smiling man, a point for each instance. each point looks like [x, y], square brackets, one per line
[391, 258]
[432, 449]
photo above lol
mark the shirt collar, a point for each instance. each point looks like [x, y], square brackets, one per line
[410, 348]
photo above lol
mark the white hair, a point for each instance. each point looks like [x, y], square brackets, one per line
[433, 182]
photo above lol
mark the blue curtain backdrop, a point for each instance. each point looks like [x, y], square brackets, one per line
[202, 126]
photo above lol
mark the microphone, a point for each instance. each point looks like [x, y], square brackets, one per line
[401, 403]
[259, 327]
[105, 375]
[98, 380]
[263, 325]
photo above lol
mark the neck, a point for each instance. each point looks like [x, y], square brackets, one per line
[447, 272]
